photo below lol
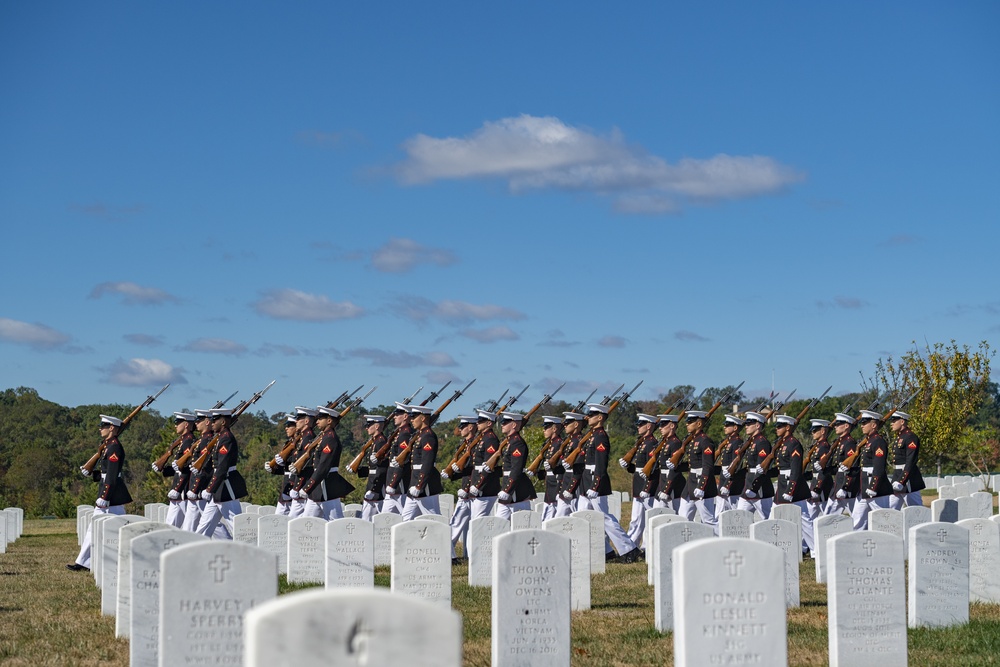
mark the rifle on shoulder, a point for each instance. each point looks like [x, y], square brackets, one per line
[380, 454]
[294, 441]
[300, 463]
[863, 445]
[463, 447]
[463, 460]
[404, 453]
[492, 461]
[356, 462]
[572, 456]
[769, 459]
[630, 454]
[554, 459]
[88, 467]
[160, 463]
[210, 448]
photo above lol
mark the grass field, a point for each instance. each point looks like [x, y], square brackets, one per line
[51, 616]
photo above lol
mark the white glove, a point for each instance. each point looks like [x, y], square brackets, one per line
[487, 469]
[750, 493]
[567, 496]
[462, 494]
[503, 496]
[841, 494]
[529, 473]
[373, 459]
[643, 495]
[547, 465]
[393, 463]
[698, 494]
[191, 495]
[623, 463]
[726, 473]
[102, 503]
[391, 491]
[444, 474]
[174, 494]
[759, 470]
[661, 496]
[787, 497]
[369, 495]
[814, 495]
[285, 498]
[293, 493]
[206, 495]
[455, 468]
[842, 468]
[591, 493]
[277, 459]
[871, 493]
[155, 467]
[724, 492]
[175, 466]
[414, 492]
[84, 471]
[669, 465]
[817, 466]
[898, 487]
[474, 490]
[267, 466]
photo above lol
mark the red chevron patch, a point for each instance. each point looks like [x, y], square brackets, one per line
[427, 448]
[113, 457]
[326, 449]
[912, 445]
[601, 448]
[708, 451]
[223, 450]
[796, 453]
[879, 452]
[517, 452]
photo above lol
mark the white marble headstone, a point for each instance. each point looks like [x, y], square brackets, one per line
[421, 560]
[984, 560]
[109, 560]
[578, 531]
[938, 577]
[793, 514]
[272, 537]
[245, 528]
[784, 535]
[944, 510]
[887, 521]
[482, 530]
[735, 523]
[824, 528]
[306, 550]
[665, 538]
[350, 554]
[913, 515]
[651, 558]
[123, 607]
[525, 520]
[597, 539]
[383, 524]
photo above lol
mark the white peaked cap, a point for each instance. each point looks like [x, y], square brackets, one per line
[549, 420]
[596, 407]
[696, 414]
[486, 414]
[291, 418]
[329, 412]
[420, 409]
[841, 417]
[203, 413]
[108, 419]
[185, 416]
[512, 416]
[222, 412]
[643, 417]
[756, 417]
[869, 414]
[901, 415]
[668, 418]
[305, 412]
[573, 417]
[819, 422]
[374, 419]
[734, 420]
[402, 407]
[785, 419]
[467, 419]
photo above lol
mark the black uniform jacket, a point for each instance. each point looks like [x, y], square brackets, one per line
[399, 478]
[875, 467]
[227, 483]
[791, 477]
[822, 482]
[571, 478]
[643, 453]
[756, 453]
[701, 455]
[180, 483]
[729, 451]
[326, 483]
[595, 472]
[906, 470]
[199, 480]
[553, 478]
[515, 460]
[672, 482]
[111, 484]
[376, 474]
[426, 477]
[488, 483]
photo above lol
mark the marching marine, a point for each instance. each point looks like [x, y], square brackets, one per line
[906, 478]
[516, 490]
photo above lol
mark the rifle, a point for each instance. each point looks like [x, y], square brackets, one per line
[300, 463]
[663, 441]
[356, 462]
[88, 467]
[210, 447]
[630, 454]
[850, 460]
[572, 456]
[405, 451]
[380, 454]
[294, 441]
[554, 460]
[722, 445]
[463, 460]
[160, 463]
[463, 447]
[738, 459]
[769, 459]
[675, 459]
[807, 459]
[492, 461]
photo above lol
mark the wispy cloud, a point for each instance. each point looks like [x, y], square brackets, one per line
[690, 336]
[133, 294]
[269, 349]
[215, 346]
[142, 373]
[559, 343]
[611, 341]
[440, 377]
[531, 152]
[399, 255]
[961, 309]
[844, 302]
[36, 336]
[379, 357]
[420, 309]
[107, 212]
[144, 339]
[490, 334]
[289, 304]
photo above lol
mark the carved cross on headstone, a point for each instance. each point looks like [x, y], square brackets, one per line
[686, 533]
[869, 547]
[169, 544]
[350, 528]
[309, 526]
[775, 529]
[219, 566]
[534, 546]
[735, 561]
[941, 535]
[423, 533]
[357, 641]
[978, 529]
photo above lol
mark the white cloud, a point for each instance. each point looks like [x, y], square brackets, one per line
[611, 341]
[133, 294]
[402, 359]
[491, 334]
[215, 346]
[402, 255]
[142, 373]
[690, 336]
[144, 339]
[38, 336]
[289, 304]
[531, 152]
[420, 309]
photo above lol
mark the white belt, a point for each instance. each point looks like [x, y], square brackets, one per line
[868, 470]
[337, 469]
[417, 466]
[506, 473]
[592, 467]
[785, 473]
[696, 471]
[231, 469]
[479, 468]
[900, 466]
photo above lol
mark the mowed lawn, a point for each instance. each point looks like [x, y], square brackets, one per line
[51, 616]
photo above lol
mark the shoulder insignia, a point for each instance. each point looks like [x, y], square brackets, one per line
[651, 454]
[796, 453]
[517, 452]
[912, 445]
[708, 451]
[762, 453]
[490, 450]
[113, 457]
[427, 447]
[326, 449]
[601, 447]
[223, 450]
[879, 452]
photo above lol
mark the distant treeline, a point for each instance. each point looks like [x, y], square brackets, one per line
[43, 444]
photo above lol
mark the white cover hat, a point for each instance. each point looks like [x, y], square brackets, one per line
[185, 416]
[643, 417]
[595, 407]
[819, 422]
[113, 421]
[734, 420]
[755, 417]
[841, 417]
[785, 419]
[512, 416]
[668, 418]
[486, 414]
[899, 414]
[869, 414]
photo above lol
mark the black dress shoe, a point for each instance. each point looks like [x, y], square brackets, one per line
[76, 567]
[456, 561]
[630, 557]
[610, 557]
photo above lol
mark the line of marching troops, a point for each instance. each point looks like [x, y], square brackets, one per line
[402, 477]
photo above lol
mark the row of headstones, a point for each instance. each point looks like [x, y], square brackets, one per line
[11, 526]
[977, 505]
[960, 489]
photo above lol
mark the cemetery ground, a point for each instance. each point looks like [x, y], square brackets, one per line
[51, 616]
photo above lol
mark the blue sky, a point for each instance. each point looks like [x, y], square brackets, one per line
[329, 194]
